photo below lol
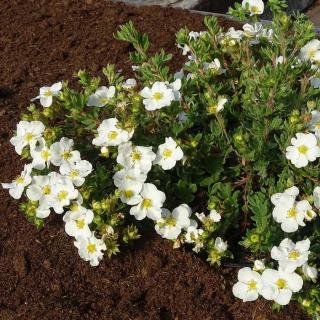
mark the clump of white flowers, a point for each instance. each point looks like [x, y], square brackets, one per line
[277, 285]
[289, 212]
[55, 191]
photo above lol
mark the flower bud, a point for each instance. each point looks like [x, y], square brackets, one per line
[306, 303]
[311, 104]
[254, 238]
[104, 152]
[47, 112]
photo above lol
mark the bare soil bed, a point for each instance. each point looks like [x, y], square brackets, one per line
[41, 274]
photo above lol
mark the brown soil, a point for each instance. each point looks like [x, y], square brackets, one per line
[41, 275]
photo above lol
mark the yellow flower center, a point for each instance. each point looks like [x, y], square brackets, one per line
[62, 195]
[46, 190]
[157, 96]
[294, 254]
[74, 173]
[136, 155]
[91, 248]
[171, 222]
[66, 155]
[318, 125]
[74, 207]
[213, 108]
[128, 193]
[252, 285]
[255, 9]
[112, 135]
[28, 137]
[146, 204]
[311, 53]
[48, 93]
[167, 153]
[45, 154]
[281, 283]
[303, 149]
[80, 223]
[310, 214]
[19, 179]
[292, 213]
[103, 100]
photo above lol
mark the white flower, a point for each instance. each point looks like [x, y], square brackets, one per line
[179, 75]
[287, 211]
[185, 49]
[109, 134]
[315, 82]
[193, 235]
[63, 192]
[316, 197]
[129, 84]
[254, 6]
[279, 286]
[309, 51]
[253, 32]
[47, 93]
[76, 171]
[248, 286]
[62, 152]
[130, 192]
[101, 97]
[138, 157]
[215, 108]
[157, 97]
[41, 190]
[304, 149]
[213, 216]
[314, 124]
[267, 33]
[27, 134]
[194, 35]
[41, 155]
[168, 154]
[220, 245]
[310, 272]
[259, 265]
[234, 34]
[77, 222]
[90, 249]
[279, 60]
[42, 213]
[17, 186]
[171, 224]
[290, 255]
[214, 66]
[175, 87]
[151, 203]
[124, 176]
[52, 191]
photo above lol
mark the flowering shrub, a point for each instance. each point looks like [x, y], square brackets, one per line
[222, 156]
